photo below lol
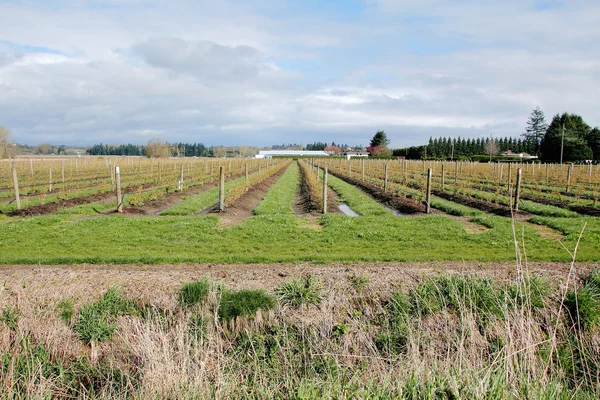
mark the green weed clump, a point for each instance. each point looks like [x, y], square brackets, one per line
[358, 282]
[65, 310]
[244, 303]
[10, 317]
[583, 305]
[479, 295]
[194, 292]
[300, 292]
[97, 320]
[35, 373]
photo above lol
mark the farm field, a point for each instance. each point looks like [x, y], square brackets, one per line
[275, 215]
[271, 298]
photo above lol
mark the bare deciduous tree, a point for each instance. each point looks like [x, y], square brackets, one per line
[492, 148]
[7, 147]
[156, 148]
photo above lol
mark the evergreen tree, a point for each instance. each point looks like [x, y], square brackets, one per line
[575, 137]
[536, 129]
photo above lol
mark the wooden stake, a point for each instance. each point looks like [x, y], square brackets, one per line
[363, 169]
[50, 185]
[181, 181]
[31, 166]
[325, 191]
[518, 189]
[118, 183]
[16, 183]
[569, 172]
[443, 175]
[221, 189]
[246, 166]
[385, 177]
[428, 193]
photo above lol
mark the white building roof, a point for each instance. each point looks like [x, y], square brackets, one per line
[305, 153]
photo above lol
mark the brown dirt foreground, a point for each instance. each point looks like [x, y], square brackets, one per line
[81, 282]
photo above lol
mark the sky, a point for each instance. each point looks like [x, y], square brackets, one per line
[263, 72]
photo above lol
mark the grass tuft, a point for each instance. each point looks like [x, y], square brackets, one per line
[10, 317]
[97, 320]
[300, 292]
[194, 292]
[244, 303]
[65, 310]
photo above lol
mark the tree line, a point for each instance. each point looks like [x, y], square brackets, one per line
[568, 138]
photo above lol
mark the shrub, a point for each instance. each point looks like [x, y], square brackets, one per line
[97, 320]
[65, 310]
[194, 292]
[300, 292]
[244, 303]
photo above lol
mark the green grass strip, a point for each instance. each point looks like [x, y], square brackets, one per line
[546, 210]
[280, 198]
[195, 204]
[454, 208]
[356, 199]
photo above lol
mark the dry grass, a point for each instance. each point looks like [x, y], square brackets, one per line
[332, 350]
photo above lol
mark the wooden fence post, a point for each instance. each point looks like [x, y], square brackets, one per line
[246, 167]
[443, 175]
[325, 191]
[518, 189]
[118, 183]
[363, 169]
[350, 167]
[221, 189]
[385, 177]
[50, 185]
[181, 180]
[428, 193]
[31, 166]
[569, 172]
[16, 182]
[456, 172]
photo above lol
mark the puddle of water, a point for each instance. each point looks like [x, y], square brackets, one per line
[347, 210]
[395, 212]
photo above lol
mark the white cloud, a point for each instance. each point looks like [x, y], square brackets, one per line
[230, 72]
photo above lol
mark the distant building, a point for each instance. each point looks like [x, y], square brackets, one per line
[525, 156]
[291, 153]
[350, 154]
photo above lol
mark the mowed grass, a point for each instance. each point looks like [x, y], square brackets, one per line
[278, 238]
[199, 202]
[280, 198]
[356, 199]
[454, 208]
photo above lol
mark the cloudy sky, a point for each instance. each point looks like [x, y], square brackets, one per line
[260, 72]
